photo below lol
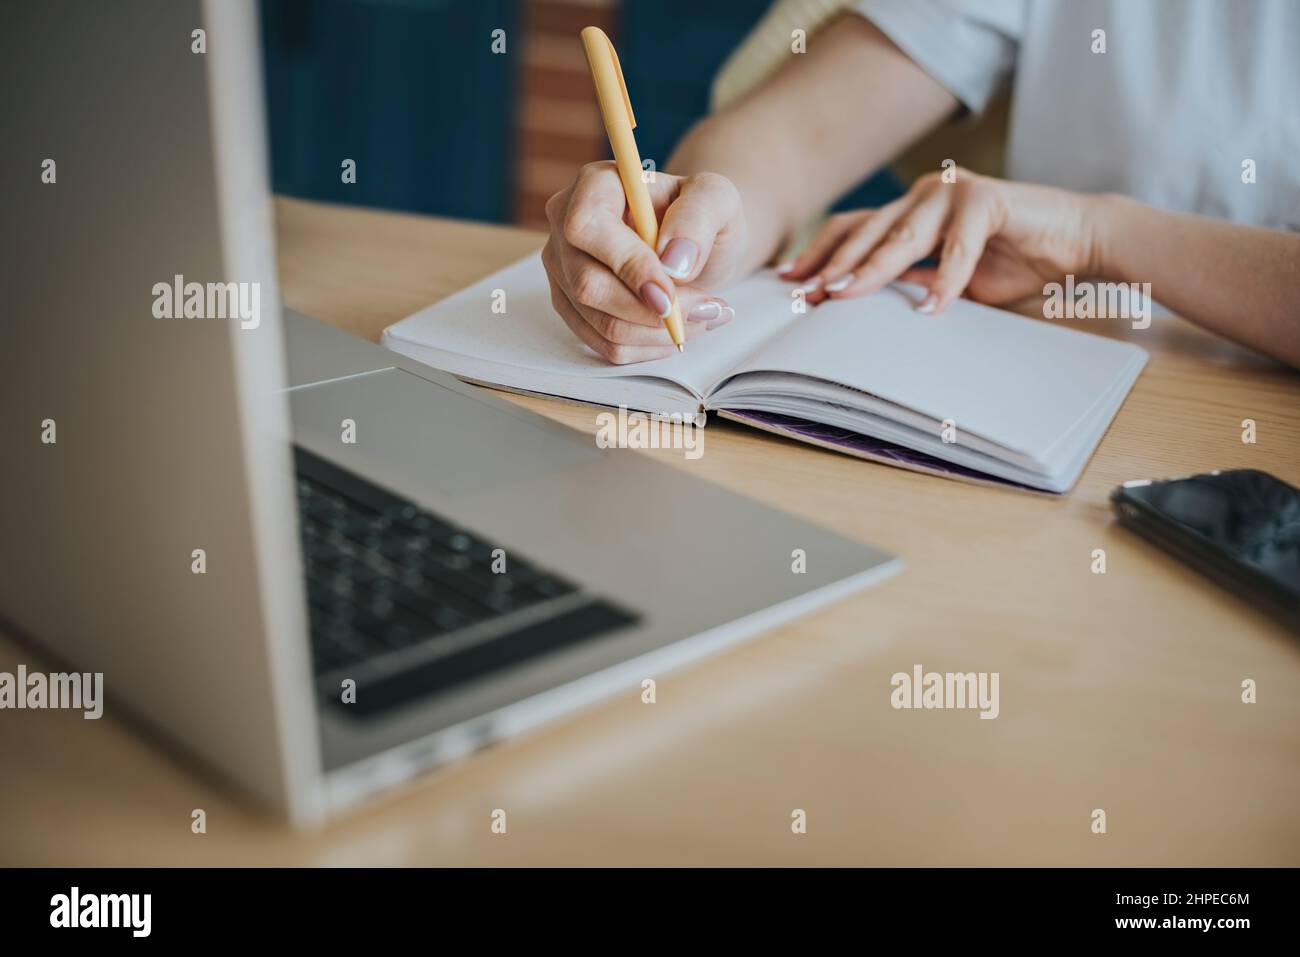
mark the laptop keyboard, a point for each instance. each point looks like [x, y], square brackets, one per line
[409, 604]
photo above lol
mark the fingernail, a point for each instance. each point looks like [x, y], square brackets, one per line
[812, 284]
[679, 257]
[785, 266]
[705, 311]
[654, 296]
[840, 284]
[727, 314]
[927, 306]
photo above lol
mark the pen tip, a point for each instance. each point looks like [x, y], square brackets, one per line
[680, 347]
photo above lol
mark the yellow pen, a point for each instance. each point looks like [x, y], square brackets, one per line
[616, 108]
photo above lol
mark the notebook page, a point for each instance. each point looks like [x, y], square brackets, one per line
[530, 337]
[1019, 382]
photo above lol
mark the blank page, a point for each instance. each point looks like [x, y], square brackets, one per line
[1019, 382]
[529, 335]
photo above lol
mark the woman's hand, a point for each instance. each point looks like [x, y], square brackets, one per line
[997, 242]
[612, 290]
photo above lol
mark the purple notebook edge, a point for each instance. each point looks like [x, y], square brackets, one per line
[857, 444]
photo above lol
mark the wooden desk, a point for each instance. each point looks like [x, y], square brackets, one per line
[1119, 691]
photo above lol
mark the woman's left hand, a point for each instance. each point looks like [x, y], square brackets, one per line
[997, 242]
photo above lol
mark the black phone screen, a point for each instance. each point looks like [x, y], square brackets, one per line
[1247, 516]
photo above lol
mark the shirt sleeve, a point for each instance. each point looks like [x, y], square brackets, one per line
[968, 46]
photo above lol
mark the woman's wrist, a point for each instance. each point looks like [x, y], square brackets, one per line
[1106, 215]
[710, 146]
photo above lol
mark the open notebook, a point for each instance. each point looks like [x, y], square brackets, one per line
[976, 393]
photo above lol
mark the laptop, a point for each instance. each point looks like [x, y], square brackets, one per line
[310, 566]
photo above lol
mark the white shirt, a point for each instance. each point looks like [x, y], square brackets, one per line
[1189, 98]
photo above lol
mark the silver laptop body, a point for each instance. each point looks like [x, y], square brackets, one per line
[160, 538]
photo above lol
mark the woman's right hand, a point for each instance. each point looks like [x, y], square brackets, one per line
[612, 290]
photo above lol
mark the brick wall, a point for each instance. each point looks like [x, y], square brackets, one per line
[558, 120]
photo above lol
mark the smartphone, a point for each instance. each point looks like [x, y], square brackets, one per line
[1241, 528]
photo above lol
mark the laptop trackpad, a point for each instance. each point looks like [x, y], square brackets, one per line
[394, 424]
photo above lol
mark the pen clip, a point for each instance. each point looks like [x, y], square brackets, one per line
[622, 84]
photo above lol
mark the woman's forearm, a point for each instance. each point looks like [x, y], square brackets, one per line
[812, 131]
[1240, 281]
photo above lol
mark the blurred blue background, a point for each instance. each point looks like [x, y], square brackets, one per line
[437, 122]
